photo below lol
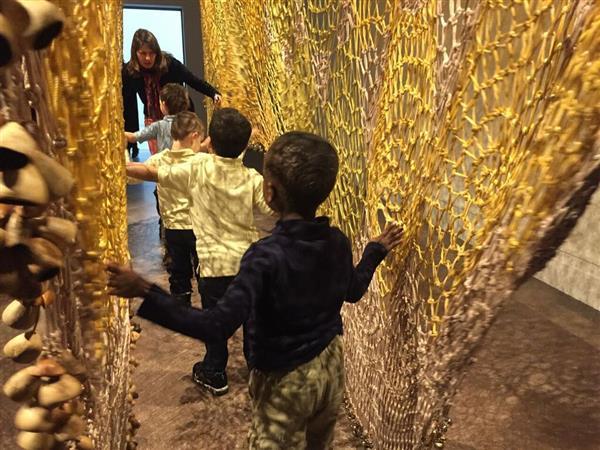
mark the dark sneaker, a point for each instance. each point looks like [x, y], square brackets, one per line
[215, 382]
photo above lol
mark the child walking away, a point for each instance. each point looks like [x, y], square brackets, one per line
[188, 132]
[173, 100]
[289, 291]
[227, 206]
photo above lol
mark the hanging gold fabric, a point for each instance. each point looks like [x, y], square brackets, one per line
[472, 123]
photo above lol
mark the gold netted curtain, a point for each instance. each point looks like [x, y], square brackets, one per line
[72, 93]
[473, 123]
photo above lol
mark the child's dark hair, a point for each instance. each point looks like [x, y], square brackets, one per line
[186, 122]
[229, 132]
[306, 167]
[175, 97]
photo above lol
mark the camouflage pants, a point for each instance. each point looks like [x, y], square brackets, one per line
[298, 409]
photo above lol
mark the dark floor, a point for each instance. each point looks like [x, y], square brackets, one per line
[535, 386]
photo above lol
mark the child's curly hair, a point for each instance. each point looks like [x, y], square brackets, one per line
[306, 166]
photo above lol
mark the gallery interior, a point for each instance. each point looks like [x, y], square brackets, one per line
[461, 180]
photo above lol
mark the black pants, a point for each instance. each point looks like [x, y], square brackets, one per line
[181, 245]
[161, 229]
[211, 290]
[133, 149]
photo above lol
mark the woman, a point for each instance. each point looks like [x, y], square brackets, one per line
[147, 71]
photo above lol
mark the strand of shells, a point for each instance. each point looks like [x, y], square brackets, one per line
[33, 245]
[53, 105]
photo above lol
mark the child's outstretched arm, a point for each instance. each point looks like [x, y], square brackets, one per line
[146, 133]
[142, 171]
[125, 282]
[217, 323]
[130, 137]
[373, 255]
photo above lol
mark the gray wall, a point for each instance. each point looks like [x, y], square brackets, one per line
[192, 31]
[576, 268]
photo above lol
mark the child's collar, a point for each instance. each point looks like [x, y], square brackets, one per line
[227, 160]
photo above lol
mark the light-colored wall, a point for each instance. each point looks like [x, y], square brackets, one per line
[192, 32]
[576, 268]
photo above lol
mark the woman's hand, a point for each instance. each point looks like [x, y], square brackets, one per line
[124, 282]
[217, 99]
[391, 236]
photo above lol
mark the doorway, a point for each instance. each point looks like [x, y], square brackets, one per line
[167, 25]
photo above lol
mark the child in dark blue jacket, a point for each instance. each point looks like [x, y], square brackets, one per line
[289, 292]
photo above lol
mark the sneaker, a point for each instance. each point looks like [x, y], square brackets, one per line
[215, 382]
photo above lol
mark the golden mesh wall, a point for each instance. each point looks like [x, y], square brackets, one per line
[471, 122]
[73, 92]
[83, 71]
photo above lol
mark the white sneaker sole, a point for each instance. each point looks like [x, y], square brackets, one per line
[213, 390]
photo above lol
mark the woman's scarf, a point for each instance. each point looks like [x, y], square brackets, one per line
[152, 88]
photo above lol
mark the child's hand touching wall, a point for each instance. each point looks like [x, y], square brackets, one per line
[124, 282]
[391, 236]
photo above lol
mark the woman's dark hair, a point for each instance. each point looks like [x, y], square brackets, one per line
[229, 132]
[185, 123]
[140, 38]
[306, 167]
